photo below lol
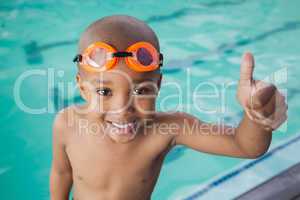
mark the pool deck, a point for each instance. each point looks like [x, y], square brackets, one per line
[285, 185]
[276, 175]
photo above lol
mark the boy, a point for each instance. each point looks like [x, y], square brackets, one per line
[113, 146]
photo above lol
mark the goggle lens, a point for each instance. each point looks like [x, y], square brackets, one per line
[140, 57]
[144, 57]
[98, 57]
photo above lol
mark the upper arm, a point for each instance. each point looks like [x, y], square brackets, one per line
[60, 160]
[205, 137]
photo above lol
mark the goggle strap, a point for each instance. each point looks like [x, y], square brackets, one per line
[161, 59]
[77, 58]
[122, 54]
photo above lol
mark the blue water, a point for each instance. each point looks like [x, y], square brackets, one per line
[202, 42]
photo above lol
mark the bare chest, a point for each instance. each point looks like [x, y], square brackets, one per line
[97, 163]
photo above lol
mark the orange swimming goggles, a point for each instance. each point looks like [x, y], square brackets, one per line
[100, 56]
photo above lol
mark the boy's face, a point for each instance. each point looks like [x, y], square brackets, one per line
[121, 99]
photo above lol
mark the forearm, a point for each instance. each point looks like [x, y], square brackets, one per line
[252, 138]
[60, 185]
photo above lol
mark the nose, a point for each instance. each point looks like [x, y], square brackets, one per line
[122, 105]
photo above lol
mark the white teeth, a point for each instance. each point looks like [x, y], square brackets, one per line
[122, 125]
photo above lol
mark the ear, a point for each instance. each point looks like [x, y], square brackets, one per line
[82, 89]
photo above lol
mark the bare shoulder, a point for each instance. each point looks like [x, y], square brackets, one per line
[177, 117]
[62, 117]
[176, 123]
[167, 116]
[63, 122]
[171, 124]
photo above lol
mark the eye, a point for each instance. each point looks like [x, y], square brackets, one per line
[104, 91]
[143, 91]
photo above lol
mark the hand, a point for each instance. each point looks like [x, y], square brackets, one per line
[262, 102]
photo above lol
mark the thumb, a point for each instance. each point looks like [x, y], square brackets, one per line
[247, 68]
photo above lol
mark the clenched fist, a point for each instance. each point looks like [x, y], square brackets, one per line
[262, 101]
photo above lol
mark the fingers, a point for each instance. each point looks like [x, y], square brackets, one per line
[247, 68]
[273, 114]
[266, 100]
[261, 94]
[280, 121]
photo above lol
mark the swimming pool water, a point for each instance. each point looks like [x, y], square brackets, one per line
[202, 42]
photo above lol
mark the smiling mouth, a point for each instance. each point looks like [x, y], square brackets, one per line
[123, 128]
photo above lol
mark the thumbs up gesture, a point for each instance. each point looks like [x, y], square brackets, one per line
[262, 102]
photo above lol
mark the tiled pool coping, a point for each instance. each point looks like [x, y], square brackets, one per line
[286, 185]
[251, 173]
